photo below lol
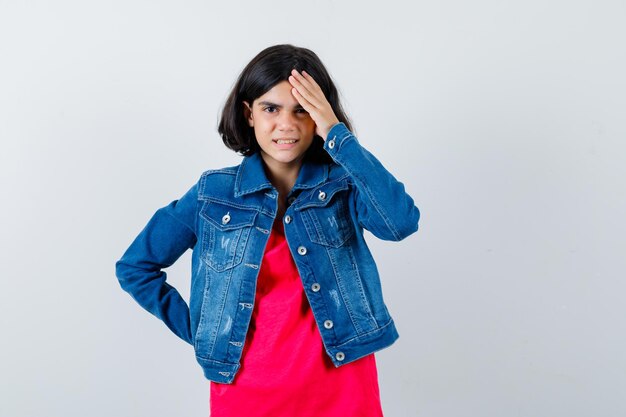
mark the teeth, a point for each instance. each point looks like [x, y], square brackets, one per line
[285, 141]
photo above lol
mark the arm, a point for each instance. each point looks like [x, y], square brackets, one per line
[382, 204]
[383, 207]
[168, 234]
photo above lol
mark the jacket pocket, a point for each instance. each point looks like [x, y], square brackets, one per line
[225, 234]
[326, 215]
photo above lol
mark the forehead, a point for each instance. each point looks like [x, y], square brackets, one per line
[280, 95]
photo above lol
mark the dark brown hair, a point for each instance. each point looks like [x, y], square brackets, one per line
[271, 66]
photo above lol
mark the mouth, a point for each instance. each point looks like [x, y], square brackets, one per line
[284, 141]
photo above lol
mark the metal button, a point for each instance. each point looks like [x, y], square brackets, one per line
[321, 195]
[340, 356]
[315, 287]
[226, 218]
[328, 324]
[331, 143]
[301, 250]
[287, 219]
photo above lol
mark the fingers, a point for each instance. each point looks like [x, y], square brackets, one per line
[303, 101]
[307, 80]
[306, 87]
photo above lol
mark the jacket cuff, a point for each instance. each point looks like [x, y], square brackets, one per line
[337, 135]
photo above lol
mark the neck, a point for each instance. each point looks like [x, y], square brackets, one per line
[282, 176]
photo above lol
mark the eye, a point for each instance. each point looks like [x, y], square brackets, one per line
[267, 109]
[302, 111]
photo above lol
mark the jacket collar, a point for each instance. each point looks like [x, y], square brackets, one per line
[251, 175]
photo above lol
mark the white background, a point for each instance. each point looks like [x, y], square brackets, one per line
[505, 121]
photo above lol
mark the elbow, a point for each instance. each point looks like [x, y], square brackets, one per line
[124, 274]
[410, 224]
[120, 273]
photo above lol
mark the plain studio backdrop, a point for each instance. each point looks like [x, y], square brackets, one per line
[504, 120]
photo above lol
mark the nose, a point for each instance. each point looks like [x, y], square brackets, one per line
[287, 120]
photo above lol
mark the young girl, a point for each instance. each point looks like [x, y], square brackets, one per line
[286, 308]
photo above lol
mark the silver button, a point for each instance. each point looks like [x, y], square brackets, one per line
[290, 200]
[301, 250]
[321, 195]
[340, 356]
[328, 324]
[287, 219]
[226, 218]
[315, 287]
[331, 143]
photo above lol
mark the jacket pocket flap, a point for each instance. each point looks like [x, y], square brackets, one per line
[323, 195]
[226, 217]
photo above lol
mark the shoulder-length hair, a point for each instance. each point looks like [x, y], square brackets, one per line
[271, 66]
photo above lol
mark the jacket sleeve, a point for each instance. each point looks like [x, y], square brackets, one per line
[382, 204]
[168, 234]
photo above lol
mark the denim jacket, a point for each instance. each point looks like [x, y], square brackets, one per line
[226, 218]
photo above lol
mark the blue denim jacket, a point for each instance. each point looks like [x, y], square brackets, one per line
[226, 218]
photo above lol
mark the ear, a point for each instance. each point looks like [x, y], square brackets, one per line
[247, 111]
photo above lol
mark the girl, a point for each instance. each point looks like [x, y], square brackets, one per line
[286, 308]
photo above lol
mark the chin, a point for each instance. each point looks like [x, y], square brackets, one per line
[288, 160]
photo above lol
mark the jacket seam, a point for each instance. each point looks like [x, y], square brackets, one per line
[232, 204]
[365, 188]
[182, 223]
[379, 329]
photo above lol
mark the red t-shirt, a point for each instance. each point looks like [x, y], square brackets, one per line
[285, 371]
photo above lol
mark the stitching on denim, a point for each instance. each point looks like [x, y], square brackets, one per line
[343, 138]
[238, 344]
[205, 175]
[232, 170]
[255, 189]
[231, 203]
[177, 219]
[310, 229]
[239, 192]
[253, 266]
[221, 309]
[239, 176]
[342, 289]
[317, 233]
[320, 237]
[359, 283]
[333, 190]
[375, 203]
[238, 206]
[220, 363]
[361, 336]
[202, 320]
[236, 319]
[230, 261]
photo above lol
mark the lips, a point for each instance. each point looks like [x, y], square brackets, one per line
[285, 141]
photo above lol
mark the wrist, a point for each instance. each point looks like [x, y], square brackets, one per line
[327, 130]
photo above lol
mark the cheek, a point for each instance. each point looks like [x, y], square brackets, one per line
[262, 125]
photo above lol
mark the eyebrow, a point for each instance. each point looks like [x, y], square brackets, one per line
[269, 103]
